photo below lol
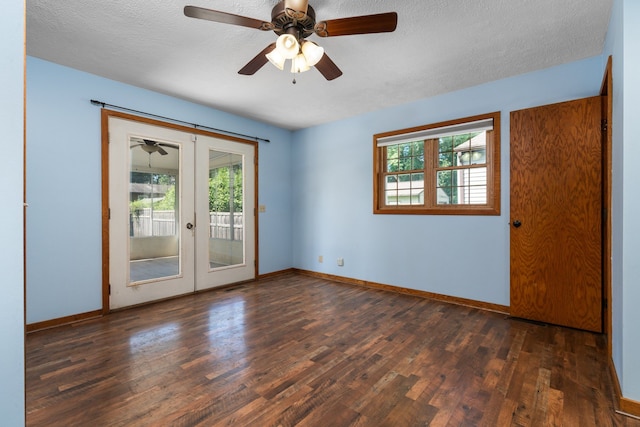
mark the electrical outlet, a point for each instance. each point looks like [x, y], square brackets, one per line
[340, 262]
[262, 208]
[319, 258]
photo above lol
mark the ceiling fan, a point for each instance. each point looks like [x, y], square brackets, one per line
[151, 146]
[293, 21]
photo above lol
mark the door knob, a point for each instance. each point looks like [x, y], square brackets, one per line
[517, 223]
[189, 225]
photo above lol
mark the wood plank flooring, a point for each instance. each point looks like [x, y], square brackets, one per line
[300, 351]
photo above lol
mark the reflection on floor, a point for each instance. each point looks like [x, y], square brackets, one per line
[155, 268]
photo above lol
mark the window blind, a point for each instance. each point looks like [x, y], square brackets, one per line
[439, 132]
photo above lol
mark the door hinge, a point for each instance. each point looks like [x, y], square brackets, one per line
[109, 212]
[109, 288]
[604, 125]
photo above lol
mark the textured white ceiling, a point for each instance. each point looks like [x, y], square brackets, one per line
[439, 46]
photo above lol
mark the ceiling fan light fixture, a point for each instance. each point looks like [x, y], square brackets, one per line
[287, 46]
[276, 59]
[312, 52]
[299, 64]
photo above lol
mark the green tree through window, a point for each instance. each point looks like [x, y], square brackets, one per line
[221, 185]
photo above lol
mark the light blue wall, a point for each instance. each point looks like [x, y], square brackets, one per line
[613, 47]
[622, 43]
[11, 225]
[631, 197]
[63, 183]
[333, 194]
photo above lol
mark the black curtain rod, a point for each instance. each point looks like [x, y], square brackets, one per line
[195, 126]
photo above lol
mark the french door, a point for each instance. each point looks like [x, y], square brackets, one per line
[181, 211]
[225, 212]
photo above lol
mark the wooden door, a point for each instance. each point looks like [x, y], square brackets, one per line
[556, 208]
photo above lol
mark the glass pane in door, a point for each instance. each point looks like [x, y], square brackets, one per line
[226, 218]
[154, 232]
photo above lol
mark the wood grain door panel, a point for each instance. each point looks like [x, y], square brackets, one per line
[556, 195]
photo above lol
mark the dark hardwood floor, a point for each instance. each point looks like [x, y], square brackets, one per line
[295, 350]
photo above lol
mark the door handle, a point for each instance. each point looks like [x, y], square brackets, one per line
[517, 223]
[189, 226]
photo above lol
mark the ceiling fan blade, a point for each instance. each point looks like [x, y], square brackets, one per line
[366, 24]
[226, 18]
[161, 150]
[328, 68]
[258, 62]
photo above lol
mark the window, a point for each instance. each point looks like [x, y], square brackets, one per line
[225, 196]
[152, 204]
[444, 168]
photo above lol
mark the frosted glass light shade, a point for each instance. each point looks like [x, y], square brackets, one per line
[299, 64]
[276, 58]
[287, 46]
[312, 53]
